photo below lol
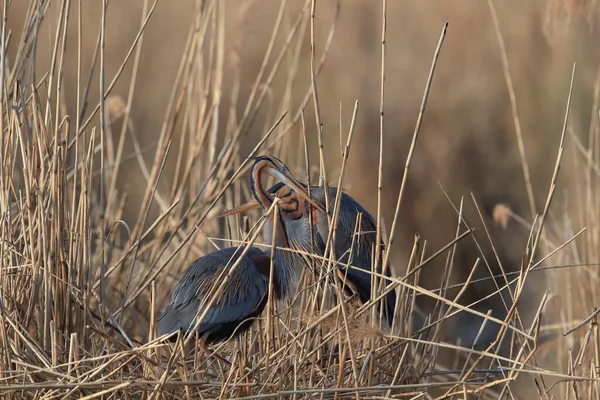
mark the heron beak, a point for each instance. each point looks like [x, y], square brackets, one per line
[289, 180]
[239, 209]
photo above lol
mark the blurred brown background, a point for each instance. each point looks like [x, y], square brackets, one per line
[467, 142]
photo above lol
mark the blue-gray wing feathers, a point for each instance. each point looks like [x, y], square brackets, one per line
[242, 296]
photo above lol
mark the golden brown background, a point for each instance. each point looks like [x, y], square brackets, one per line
[467, 142]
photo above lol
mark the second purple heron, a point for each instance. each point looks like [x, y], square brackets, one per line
[355, 234]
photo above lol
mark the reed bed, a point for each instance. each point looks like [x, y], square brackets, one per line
[80, 288]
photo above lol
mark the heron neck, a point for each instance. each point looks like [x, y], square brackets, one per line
[281, 238]
[286, 274]
[283, 259]
[258, 190]
[266, 200]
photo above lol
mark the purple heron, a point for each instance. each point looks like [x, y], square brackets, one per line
[355, 233]
[243, 296]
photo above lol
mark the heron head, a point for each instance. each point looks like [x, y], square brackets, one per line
[274, 167]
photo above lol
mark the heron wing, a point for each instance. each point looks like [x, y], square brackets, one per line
[243, 294]
[360, 242]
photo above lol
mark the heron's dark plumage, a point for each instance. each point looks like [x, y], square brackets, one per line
[243, 297]
[361, 253]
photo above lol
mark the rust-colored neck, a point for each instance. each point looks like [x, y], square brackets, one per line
[292, 205]
[258, 190]
[266, 201]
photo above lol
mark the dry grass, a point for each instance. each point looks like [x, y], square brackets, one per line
[99, 217]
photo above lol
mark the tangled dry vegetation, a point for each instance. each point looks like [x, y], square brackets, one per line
[80, 288]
